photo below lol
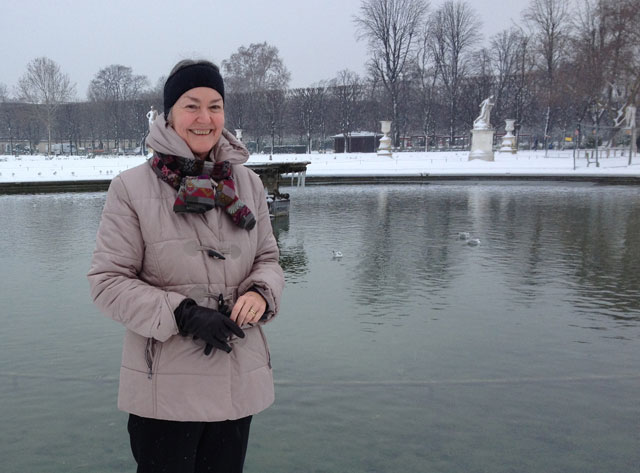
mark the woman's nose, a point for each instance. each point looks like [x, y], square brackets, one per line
[203, 115]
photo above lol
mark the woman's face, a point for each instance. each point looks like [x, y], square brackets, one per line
[198, 118]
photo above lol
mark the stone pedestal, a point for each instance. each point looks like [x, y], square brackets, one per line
[384, 149]
[482, 144]
[508, 144]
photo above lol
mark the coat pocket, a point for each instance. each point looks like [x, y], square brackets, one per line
[266, 346]
[251, 352]
[152, 355]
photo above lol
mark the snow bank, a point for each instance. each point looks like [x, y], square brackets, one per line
[524, 163]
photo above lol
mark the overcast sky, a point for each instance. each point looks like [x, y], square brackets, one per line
[316, 38]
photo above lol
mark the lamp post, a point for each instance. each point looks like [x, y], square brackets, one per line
[10, 141]
[632, 144]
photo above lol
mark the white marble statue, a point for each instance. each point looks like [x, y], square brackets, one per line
[152, 115]
[483, 122]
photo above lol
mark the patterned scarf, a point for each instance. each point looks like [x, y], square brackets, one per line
[202, 185]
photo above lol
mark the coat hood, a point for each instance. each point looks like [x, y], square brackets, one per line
[164, 139]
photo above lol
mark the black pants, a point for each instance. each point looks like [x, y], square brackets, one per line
[188, 447]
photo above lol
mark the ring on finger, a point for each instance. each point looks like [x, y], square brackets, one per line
[252, 312]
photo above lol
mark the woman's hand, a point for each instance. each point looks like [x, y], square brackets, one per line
[248, 309]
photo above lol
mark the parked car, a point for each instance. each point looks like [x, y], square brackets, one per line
[21, 149]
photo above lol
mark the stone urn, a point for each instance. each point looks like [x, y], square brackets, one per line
[508, 144]
[384, 148]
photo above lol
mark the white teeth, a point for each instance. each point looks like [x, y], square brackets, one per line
[201, 132]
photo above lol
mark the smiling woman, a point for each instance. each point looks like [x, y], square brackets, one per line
[195, 364]
[196, 114]
[198, 118]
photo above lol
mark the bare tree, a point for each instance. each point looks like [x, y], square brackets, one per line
[237, 106]
[523, 100]
[153, 95]
[549, 22]
[4, 93]
[347, 89]
[68, 128]
[322, 113]
[5, 118]
[255, 68]
[116, 88]
[307, 103]
[479, 85]
[273, 107]
[426, 74]
[605, 58]
[591, 55]
[504, 55]
[46, 85]
[605, 55]
[454, 31]
[23, 124]
[249, 74]
[92, 124]
[391, 27]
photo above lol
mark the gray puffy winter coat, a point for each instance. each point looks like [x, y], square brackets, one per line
[148, 259]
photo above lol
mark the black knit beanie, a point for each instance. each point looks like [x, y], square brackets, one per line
[190, 77]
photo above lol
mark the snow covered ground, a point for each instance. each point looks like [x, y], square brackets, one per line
[524, 163]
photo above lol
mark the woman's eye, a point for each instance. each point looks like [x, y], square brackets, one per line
[191, 107]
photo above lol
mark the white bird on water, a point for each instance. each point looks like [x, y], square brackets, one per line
[473, 242]
[464, 235]
[337, 254]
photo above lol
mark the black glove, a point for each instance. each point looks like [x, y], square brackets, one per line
[222, 306]
[224, 309]
[210, 325]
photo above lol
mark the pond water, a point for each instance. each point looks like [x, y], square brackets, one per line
[413, 352]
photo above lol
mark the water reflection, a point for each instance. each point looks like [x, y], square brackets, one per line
[583, 239]
[578, 243]
[45, 229]
[293, 257]
[406, 250]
